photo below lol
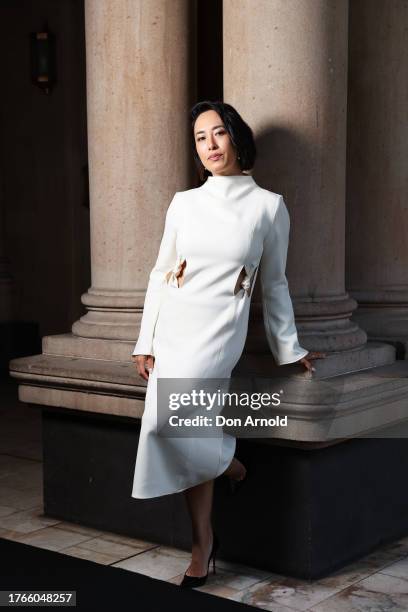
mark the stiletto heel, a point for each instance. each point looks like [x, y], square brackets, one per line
[195, 581]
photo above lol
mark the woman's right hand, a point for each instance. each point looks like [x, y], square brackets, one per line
[144, 363]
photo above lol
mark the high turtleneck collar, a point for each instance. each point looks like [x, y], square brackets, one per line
[229, 186]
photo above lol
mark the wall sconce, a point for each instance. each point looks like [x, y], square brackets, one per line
[43, 65]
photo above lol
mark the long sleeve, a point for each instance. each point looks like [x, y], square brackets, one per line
[166, 260]
[279, 320]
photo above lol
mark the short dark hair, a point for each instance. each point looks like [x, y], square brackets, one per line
[240, 133]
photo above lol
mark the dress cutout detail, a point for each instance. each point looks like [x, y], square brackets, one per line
[245, 280]
[175, 277]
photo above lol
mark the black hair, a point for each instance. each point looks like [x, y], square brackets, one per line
[240, 133]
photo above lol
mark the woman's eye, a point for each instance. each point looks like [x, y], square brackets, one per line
[216, 133]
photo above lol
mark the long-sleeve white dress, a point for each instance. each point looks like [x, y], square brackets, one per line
[195, 316]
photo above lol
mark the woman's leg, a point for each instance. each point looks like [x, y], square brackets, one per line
[236, 470]
[199, 502]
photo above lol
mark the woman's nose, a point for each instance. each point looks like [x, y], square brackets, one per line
[211, 142]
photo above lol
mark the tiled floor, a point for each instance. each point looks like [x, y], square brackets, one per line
[378, 582]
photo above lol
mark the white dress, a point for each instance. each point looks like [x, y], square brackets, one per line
[196, 309]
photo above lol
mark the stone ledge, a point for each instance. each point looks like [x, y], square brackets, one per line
[350, 405]
[92, 373]
[372, 355]
[71, 345]
[93, 385]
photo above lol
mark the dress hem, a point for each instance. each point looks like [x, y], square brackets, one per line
[189, 486]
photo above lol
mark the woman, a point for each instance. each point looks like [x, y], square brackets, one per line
[196, 309]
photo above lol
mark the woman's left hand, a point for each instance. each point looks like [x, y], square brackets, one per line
[311, 355]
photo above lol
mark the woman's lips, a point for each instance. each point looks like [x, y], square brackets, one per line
[215, 157]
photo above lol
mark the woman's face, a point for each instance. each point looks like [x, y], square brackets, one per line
[214, 146]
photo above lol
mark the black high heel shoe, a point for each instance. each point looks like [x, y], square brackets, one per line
[196, 581]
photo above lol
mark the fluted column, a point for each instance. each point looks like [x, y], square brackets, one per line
[285, 69]
[137, 66]
[377, 183]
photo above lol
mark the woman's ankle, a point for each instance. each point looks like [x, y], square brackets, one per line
[236, 470]
[202, 535]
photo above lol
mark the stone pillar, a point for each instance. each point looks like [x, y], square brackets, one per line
[138, 97]
[140, 67]
[285, 70]
[377, 177]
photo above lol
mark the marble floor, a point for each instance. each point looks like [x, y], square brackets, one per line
[375, 583]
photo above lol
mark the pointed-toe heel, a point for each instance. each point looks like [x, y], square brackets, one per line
[196, 581]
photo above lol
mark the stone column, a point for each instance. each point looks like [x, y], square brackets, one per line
[285, 70]
[377, 177]
[140, 69]
[138, 97]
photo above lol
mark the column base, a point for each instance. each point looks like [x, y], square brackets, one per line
[303, 512]
[317, 410]
[323, 324]
[70, 345]
[385, 324]
[332, 474]
[371, 355]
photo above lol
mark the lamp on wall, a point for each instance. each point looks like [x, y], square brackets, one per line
[43, 69]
